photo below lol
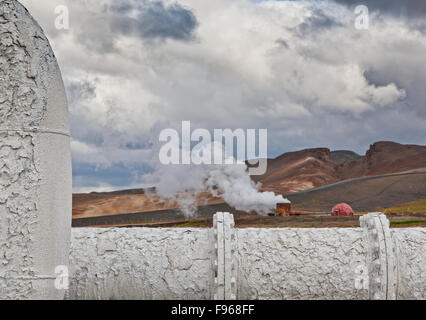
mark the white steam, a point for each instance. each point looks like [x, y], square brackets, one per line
[232, 183]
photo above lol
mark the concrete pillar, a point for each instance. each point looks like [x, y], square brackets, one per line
[35, 163]
[224, 262]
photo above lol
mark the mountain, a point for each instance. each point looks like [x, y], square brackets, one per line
[342, 156]
[385, 176]
[300, 170]
[311, 168]
[385, 158]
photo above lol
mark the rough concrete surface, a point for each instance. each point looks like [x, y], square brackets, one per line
[300, 263]
[35, 164]
[228, 263]
[140, 264]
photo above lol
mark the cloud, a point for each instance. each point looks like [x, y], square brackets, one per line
[153, 20]
[317, 22]
[142, 19]
[298, 68]
[411, 8]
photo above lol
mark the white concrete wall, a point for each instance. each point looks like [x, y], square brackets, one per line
[300, 263]
[35, 163]
[140, 263]
[259, 263]
[411, 256]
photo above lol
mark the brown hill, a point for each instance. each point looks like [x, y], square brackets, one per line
[385, 158]
[293, 172]
[311, 168]
[342, 156]
[128, 201]
[301, 170]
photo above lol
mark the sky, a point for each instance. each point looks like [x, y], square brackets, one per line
[300, 69]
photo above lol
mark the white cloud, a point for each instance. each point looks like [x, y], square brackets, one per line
[300, 69]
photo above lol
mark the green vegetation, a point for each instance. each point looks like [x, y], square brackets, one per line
[195, 223]
[412, 207]
[399, 223]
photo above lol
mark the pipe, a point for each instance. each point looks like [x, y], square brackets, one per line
[228, 263]
[35, 161]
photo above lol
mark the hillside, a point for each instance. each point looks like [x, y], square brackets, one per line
[313, 179]
[130, 201]
[385, 158]
[300, 170]
[312, 168]
[342, 156]
[364, 194]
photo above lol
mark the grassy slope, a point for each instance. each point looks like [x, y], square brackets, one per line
[368, 194]
[415, 207]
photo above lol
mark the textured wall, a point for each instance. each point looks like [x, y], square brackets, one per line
[35, 165]
[140, 263]
[411, 257]
[227, 263]
[300, 263]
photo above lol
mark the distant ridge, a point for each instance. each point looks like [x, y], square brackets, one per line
[386, 157]
[128, 191]
[342, 156]
[311, 168]
[384, 177]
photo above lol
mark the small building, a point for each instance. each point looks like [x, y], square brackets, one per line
[283, 209]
